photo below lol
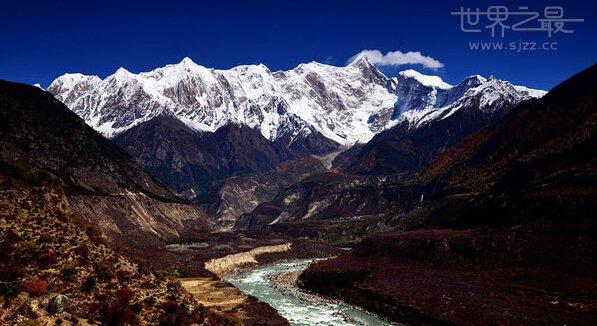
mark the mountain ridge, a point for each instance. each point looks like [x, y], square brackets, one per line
[105, 185]
[346, 105]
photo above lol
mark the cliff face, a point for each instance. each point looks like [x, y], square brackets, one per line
[37, 131]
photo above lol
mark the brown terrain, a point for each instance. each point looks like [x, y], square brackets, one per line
[504, 226]
[55, 267]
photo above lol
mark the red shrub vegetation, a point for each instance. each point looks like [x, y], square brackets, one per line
[125, 296]
[35, 286]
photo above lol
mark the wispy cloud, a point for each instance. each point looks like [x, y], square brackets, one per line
[398, 58]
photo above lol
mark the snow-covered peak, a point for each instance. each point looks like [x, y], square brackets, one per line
[69, 80]
[473, 81]
[187, 61]
[360, 58]
[426, 80]
[122, 72]
[70, 87]
[362, 62]
[346, 104]
[491, 96]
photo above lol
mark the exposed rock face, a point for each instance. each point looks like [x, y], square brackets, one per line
[325, 197]
[37, 131]
[235, 196]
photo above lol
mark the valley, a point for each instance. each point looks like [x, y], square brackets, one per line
[441, 209]
[273, 163]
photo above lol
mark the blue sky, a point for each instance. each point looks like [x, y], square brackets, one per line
[41, 40]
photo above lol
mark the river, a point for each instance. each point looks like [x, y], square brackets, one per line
[298, 307]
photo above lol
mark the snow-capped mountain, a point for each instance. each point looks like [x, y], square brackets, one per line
[345, 104]
[423, 98]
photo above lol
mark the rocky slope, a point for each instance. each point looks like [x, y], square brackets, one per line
[57, 268]
[420, 135]
[235, 196]
[505, 225]
[190, 162]
[227, 172]
[105, 185]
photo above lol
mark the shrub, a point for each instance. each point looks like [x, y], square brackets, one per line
[104, 271]
[125, 296]
[136, 308]
[6, 251]
[143, 266]
[45, 237]
[35, 286]
[169, 274]
[169, 307]
[11, 236]
[147, 284]
[94, 233]
[27, 251]
[68, 271]
[175, 314]
[10, 274]
[83, 252]
[46, 259]
[123, 275]
[116, 314]
[89, 283]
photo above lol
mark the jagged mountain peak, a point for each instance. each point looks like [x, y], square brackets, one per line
[360, 59]
[187, 61]
[344, 104]
[122, 72]
[474, 80]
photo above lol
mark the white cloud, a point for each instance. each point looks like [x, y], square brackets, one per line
[398, 58]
